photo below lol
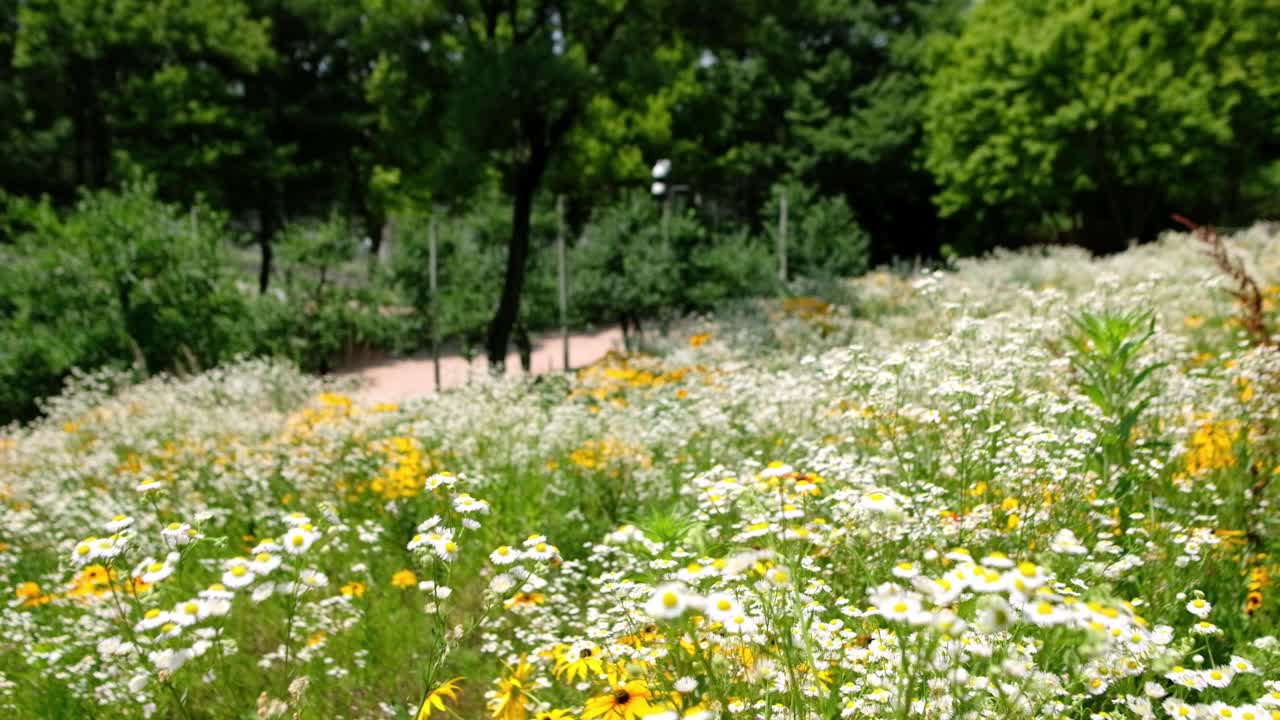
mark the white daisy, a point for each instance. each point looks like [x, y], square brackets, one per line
[722, 606]
[264, 562]
[504, 555]
[1200, 608]
[152, 571]
[238, 573]
[466, 504]
[168, 661]
[118, 523]
[541, 551]
[298, 540]
[668, 601]
[502, 583]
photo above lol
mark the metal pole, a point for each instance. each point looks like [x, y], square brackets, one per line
[564, 280]
[782, 238]
[435, 307]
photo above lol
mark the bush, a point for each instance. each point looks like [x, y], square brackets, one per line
[122, 280]
[327, 307]
[625, 267]
[824, 239]
[729, 266]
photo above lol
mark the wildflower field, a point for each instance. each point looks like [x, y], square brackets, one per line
[1034, 486]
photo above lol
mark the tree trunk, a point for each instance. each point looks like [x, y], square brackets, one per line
[527, 180]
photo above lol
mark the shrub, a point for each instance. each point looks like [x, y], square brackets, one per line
[625, 267]
[824, 239]
[326, 308]
[122, 280]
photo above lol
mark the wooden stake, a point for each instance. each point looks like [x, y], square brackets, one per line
[564, 280]
[435, 307]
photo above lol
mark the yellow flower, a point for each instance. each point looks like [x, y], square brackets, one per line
[404, 579]
[1212, 446]
[31, 595]
[583, 663]
[699, 340]
[335, 400]
[355, 589]
[525, 599]
[1246, 389]
[508, 702]
[624, 702]
[95, 580]
[435, 698]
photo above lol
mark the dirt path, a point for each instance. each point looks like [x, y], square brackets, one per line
[398, 379]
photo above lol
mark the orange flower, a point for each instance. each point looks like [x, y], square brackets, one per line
[31, 595]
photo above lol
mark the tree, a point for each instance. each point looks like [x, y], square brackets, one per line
[827, 93]
[121, 82]
[313, 125]
[1103, 115]
[499, 87]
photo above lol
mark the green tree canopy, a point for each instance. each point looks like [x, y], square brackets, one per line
[150, 82]
[479, 88]
[1103, 115]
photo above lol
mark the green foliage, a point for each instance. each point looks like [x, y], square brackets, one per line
[123, 280]
[729, 266]
[625, 266]
[1108, 113]
[829, 94]
[470, 259]
[123, 81]
[324, 309]
[824, 239]
[1108, 358]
